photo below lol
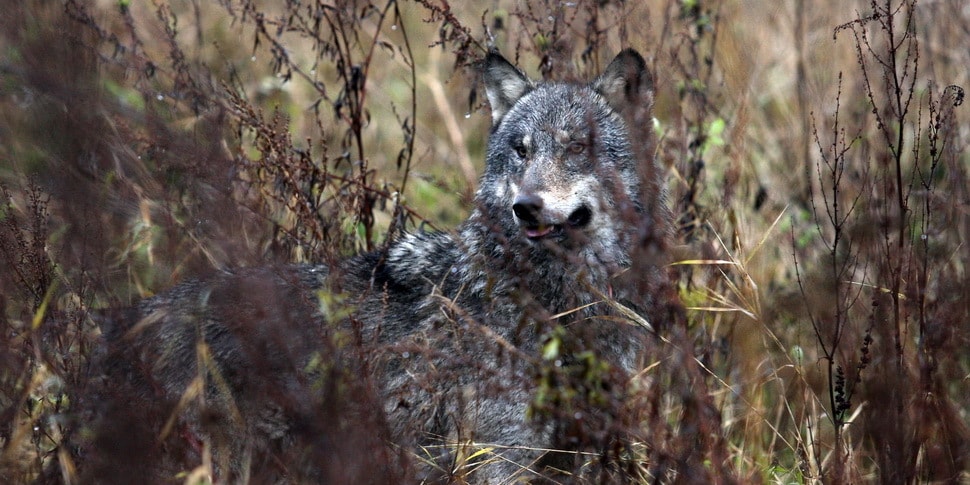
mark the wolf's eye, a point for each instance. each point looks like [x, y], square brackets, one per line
[576, 147]
[520, 149]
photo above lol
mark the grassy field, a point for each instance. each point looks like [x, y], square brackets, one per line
[818, 169]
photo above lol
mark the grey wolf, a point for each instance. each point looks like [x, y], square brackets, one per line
[489, 355]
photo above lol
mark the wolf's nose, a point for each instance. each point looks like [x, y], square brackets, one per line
[580, 217]
[527, 208]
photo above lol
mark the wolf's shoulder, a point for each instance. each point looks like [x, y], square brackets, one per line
[412, 262]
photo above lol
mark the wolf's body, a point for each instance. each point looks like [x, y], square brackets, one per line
[452, 334]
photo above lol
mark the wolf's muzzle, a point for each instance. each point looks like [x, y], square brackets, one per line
[537, 223]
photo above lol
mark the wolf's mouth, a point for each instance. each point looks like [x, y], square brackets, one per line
[579, 218]
[539, 232]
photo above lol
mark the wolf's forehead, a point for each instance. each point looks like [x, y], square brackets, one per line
[563, 106]
[558, 114]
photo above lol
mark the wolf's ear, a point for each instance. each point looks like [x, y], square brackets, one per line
[626, 81]
[504, 85]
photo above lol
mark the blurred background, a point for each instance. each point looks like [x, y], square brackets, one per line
[817, 169]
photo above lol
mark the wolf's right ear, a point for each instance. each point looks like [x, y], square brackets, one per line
[626, 82]
[504, 85]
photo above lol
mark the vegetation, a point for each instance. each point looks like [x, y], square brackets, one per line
[818, 171]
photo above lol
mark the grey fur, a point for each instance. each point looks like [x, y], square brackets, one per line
[447, 329]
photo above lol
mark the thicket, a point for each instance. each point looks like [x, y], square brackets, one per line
[818, 170]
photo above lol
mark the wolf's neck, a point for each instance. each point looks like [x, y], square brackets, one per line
[502, 263]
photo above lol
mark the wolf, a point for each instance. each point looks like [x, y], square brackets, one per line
[497, 353]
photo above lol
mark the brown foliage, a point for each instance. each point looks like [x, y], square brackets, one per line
[139, 146]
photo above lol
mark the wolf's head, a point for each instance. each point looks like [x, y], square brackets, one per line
[560, 170]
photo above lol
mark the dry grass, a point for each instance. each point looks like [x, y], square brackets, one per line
[818, 169]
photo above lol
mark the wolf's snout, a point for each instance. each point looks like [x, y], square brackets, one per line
[580, 217]
[527, 208]
[537, 221]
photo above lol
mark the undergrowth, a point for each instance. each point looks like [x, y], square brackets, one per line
[818, 172]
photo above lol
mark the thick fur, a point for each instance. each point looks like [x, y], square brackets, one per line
[440, 342]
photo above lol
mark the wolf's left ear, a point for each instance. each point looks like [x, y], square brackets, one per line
[504, 85]
[626, 81]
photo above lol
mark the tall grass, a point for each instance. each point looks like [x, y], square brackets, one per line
[818, 172]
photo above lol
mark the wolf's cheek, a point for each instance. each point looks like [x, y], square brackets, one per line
[502, 190]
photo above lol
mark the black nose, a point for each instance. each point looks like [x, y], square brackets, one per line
[580, 217]
[527, 208]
